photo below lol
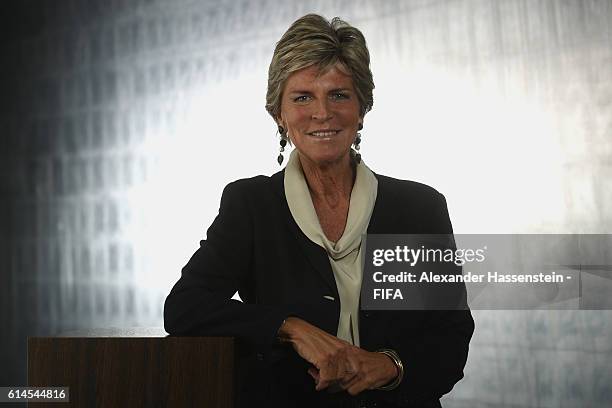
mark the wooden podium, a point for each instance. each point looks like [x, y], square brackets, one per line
[123, 368]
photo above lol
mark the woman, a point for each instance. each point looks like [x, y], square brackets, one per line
[291, 245]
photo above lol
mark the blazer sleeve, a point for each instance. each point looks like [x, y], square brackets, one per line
[435, 357]
[200, 302]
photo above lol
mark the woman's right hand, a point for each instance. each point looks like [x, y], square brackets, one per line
[325, 352]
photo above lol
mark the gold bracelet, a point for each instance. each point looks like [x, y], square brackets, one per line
[400, 369]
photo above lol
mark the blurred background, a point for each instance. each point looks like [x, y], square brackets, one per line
[121, 122]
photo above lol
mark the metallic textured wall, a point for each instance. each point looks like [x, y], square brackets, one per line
[126, 118]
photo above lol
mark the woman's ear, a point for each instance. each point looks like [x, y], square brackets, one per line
[281, 127]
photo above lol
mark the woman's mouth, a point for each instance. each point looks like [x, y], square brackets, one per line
[324, 133]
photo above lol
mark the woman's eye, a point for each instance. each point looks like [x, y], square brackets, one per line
[301, 98]
[339, 95]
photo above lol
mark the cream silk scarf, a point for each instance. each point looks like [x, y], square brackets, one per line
[344, 255]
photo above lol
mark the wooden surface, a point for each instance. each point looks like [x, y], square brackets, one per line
[135, 372]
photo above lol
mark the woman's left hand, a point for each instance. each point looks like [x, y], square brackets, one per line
[365, 370]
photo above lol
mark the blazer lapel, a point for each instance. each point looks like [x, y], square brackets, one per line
[379, 212]
[384, 219]
[313, 252]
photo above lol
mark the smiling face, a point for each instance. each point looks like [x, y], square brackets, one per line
[321, 114]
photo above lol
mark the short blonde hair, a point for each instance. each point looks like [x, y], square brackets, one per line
[312, 40]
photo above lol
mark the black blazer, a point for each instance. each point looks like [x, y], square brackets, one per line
[254, 246]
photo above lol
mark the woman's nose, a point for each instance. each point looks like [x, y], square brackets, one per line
[321, 110]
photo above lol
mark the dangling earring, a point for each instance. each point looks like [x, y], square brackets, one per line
[356, 143]
[283, 143]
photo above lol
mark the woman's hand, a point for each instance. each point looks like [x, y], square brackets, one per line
[368, 371]
[337, 361]
[319, 348]
[371, 370]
